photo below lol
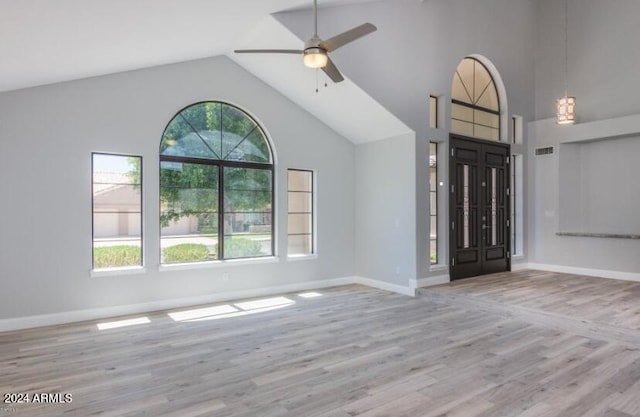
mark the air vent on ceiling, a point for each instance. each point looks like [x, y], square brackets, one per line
[544, 151]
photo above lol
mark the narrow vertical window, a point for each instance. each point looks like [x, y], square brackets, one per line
[516, 122]
[433, 202]
[517, 225]
[433, 112]
[117, 210]
[300, 212]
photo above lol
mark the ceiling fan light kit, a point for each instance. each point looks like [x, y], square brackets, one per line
[315, 57]
[316, 51]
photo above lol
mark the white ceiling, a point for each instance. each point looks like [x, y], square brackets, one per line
[345, 107]
[49, 41]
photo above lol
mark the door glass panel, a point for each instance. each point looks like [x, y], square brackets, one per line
[494, 207]
[465, 228]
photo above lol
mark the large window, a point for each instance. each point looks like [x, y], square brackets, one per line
[433, 202]
[475, 108]
[300, 215]
[117, 210]
[216, 186]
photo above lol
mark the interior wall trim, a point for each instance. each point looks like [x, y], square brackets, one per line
[21, 323]
[599, 273]
[430, 281]
[383, 285]
[28, 322]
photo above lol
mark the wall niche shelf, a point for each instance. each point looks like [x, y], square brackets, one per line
[600, 235]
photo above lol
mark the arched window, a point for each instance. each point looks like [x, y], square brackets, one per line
[216, 186]
[475, 107]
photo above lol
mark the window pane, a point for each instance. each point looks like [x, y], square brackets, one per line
[300, 223]
[188, 212]
[463, 113]
[300, 202]
[117, 211]
[300, 245]
[433, 112]
[215, 131]
[462, 128]
[486, 119]
[300, 180]
[300, 207]
[433, 206]
[488, 133]
[248, 212]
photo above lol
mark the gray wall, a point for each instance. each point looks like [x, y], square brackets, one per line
[385, 210]
[586, 187]
[414, 53]
[47, 135]
[603, 57]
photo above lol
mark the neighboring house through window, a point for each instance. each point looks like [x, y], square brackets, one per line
[117, 210]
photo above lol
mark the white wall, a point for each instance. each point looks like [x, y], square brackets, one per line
[385, 210]
[47, 135]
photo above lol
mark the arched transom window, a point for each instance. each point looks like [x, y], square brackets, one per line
[475, 107]
[216, 186]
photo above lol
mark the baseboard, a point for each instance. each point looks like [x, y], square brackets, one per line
[600, 273]
[520, 266]
[28, 322]
[382, 285]
[430, 282]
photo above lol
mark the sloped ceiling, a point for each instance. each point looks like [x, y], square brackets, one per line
[47, 41]
[343, 106]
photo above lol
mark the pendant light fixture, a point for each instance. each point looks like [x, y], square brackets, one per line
[566, 105]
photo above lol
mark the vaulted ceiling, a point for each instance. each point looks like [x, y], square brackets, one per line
[47, 41]
[50, 41]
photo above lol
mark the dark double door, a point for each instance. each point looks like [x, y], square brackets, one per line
[479, 208]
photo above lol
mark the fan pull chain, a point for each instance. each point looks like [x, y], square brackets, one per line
[316, 81]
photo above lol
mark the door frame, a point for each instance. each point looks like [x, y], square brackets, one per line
[452, 205]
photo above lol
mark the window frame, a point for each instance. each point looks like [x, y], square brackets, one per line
[473, 107]
[314, 244]
[111, 270]
[434, 191]
[221, 165]
[434, 113]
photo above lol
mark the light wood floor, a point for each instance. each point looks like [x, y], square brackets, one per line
[528, 344]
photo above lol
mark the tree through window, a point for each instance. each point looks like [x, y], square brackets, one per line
[216, 186]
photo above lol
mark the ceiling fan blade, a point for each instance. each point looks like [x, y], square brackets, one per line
[268, 51]
[349, 36]
[332, 71]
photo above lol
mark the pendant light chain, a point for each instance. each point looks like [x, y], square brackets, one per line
[566, 48]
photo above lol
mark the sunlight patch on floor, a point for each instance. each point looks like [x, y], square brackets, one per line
[123, 323]
[232, 310]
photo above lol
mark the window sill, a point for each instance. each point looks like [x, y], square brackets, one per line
[111, 272]
[296, 258]
[218, 264]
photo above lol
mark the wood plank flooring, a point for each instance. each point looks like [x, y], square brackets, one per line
[527, 344]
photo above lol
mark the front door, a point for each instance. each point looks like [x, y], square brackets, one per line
[478, 207]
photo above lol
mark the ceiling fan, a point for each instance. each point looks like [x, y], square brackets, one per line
[316, 51]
